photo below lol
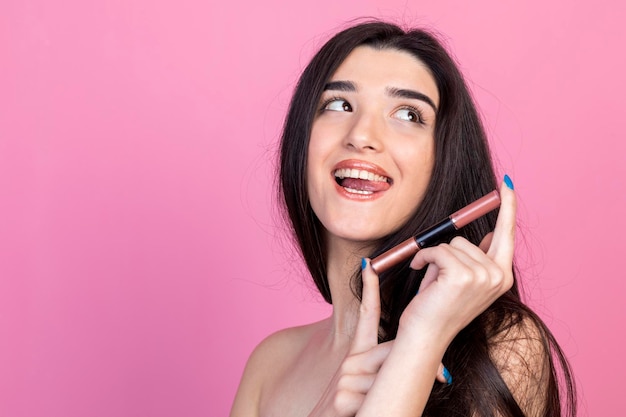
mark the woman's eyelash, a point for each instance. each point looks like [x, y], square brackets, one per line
[418, 113]
[325, 103]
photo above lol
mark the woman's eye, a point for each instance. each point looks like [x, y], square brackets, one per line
[410, 115]
[338, 105]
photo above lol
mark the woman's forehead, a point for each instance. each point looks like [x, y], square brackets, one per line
[368, 67]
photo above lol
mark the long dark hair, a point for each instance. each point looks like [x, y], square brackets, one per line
[462, 172]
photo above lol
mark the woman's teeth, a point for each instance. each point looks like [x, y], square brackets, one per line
[359, 174]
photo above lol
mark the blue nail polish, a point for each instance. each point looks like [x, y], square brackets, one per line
[363, 263]
[508, 182]
[447, 376]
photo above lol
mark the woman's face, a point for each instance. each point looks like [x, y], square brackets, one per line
[371, 151]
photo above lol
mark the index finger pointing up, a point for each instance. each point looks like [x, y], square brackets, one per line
[503, 242]
[366, 336]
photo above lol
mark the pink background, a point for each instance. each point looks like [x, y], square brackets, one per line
[140, 256]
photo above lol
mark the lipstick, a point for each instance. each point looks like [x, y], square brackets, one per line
[434, 234]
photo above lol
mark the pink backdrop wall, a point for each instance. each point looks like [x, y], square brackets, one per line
[140, 261]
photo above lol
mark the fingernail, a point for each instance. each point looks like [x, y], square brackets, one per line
[363, 263]
[447, 376]
[508, 182]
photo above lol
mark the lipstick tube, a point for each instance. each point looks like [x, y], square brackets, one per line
[434, 234]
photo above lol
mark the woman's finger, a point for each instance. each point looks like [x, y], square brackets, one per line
[366, 335]
[503, 241]
[456, 252]
[368, 362]
[356, 383]
[443, 375]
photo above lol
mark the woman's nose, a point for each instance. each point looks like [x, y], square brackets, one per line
[365, 133]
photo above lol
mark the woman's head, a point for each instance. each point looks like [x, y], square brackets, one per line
[460, 170]
[371, 148]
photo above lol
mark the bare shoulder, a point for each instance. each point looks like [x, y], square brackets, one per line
[269, 360]
[286, 342]
[522, 355]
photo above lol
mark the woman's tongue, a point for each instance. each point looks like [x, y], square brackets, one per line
[365, 185]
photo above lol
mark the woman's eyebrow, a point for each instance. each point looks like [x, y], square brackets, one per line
[340, 86]
[412, 94]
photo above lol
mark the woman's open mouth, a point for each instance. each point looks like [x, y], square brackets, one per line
[361, 181]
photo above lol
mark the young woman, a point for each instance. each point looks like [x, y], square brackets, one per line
[382, 140]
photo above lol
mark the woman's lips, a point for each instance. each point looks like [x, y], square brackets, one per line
[361, 179]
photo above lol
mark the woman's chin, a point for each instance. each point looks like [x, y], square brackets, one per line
[355, 236]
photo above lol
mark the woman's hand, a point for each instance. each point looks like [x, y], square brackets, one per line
[462, 279]
[357, 372]
[348, 388]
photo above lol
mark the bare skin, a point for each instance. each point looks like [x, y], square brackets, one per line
[336, 367]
